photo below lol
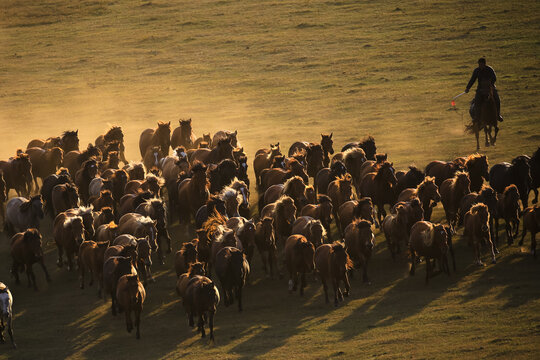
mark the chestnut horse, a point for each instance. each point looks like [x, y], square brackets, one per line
[193, 192]
[359, 241]
[340, 191]
[321, 211]
[379, 186]
[266, 244]
[18, 174]
[69, 141]
[68, 233]
[130, 294]
[299, 259]
[222, 151]
[428, 194]
[531, 223]
[332, 263]
[91, 258]
[201, 298]
[25, 251]
[477, 231]
[355, 209]
[113, 134]
[276, 176]
[44, 162]
[232, 269]
[442, 170]
[46, 190]
[264, 159]
[452, 192]
[73, 160]
[509, 209]
[430, 241]
[160, 137]
[183, 135]
[327, 175]
[477, 166]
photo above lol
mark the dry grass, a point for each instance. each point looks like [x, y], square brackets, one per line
[279, 70]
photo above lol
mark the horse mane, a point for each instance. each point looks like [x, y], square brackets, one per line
[112, 225]
[485, 190]
[194, 269]
[322, 198]
[473, 159]
[289, 182]
[222, 233]
[510, 189]
[228, 193]
[353, 153]
[187, 246]
[364, 201]
[282, 202]
[213, 224]
[382, 166]
[343, 179]
[113, 132]
[457, 176]
[427, 180]
[536, 155]
[132, 165]
[361, 224]
[85, 210]
[237, 184]
[69, 133]
[415, 170]
[146, 220]
[477, 208]
[154, 178]
[198, 166]
[368, 140]
[69, 221]
[317, 223]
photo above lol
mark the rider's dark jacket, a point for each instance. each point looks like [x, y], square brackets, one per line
[485, 76]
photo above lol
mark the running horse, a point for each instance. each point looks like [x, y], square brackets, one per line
[487, 119]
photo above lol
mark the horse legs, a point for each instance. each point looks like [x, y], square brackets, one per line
[69, 256]
[60, 261]
[211, 324]
[335, 285]
[365, 277]
[486, 135]
[533, 243]
[535, 200]
[497, 230]
[264, 262]
[492, 249]
[113, 301]
[477, 253]
[495, 136]
[523, 233]
[477, 134]
[325, 288]
[2, 327]
[81, 272]
[201, 325]
[31, 276]
[516, 224]
[10, 330]
[413, 263]
[138, 321]
[508, 228]
[129, 323]
[302, 283]
[15, 272]
[428, 269]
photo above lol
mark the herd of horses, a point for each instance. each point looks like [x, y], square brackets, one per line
[111, 217]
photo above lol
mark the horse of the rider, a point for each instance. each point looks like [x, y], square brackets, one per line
[486, 79]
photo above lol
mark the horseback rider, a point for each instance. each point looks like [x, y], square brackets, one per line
[486, 79]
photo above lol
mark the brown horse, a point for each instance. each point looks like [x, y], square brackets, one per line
[332, 263]
[6, 313]
[113, 269]
[144, 255]
[245, 231]
[107, 232]
[135, 170]
[54, 141]
[201, 298]
[97, 185]
[25, 251]
[312, 229]
[195, 269]
[486, 196]
[185, 257]
[315, 159]
[452, 192]
[327, 175]
[202, 142]
[139, 226]
[430, 241]
[113, 134]
[264, 159]
[531, 223]
[232, 269]
[130, 294]
[68, 233]
[105, 199]
[183, 135]
[44, 162]
[157, 210]
[428, 194]
[130, 202]
[276, 176]
[283, 212]
[3, 197]
[231, 199]
[370, 166]
[359, 241]
[193, 192]
[87, 215]
[226, 135]
[64, 197]
[91, 258]
[477, 231]
[128, 250]
[299, 259]
[353, 159]
[442, 170]
[488, 120]
[104, 216]
[112, 163]
[414, 212]
[22, 214]
[293, 187]
[340, 191]
[477, 166]
[73, 160]
[508, 208]
[321, 211]
[379, 186]
[84, 176]
[69, 141]
[395, 229]
[160, 137]
[266, 244]
[152, 157]
[18, 174]
[355, 209]
[151, 183]
[172, 166]
[223, 150]
[327, 145]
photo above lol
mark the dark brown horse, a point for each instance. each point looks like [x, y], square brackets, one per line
[113, 269]
[428, 194]
[91, 259]
[477, 231]
[73, 160]
[201, 299]
[327, 175]
[48, 185]
[394, 226]
[442, 170]
[276, 176]
[151, 183]
[184, 257]
[370, 166]
[130, 294]
[321, 211]
[232, 269]
[25, 251]
[283, 212]
[84, 176]
[18, 174]
[328, 147]
[518, 173]
[113, 134]
[54, 141]
[195, 269]
[135, 171]
[105, 199]
[293, 187]
[379, 186]
[509, 209]
[157, 210]
[87, 215]
[3, 197]
[183, 135]
[193, 192]
[264, 159]
[202, 142]
[353, 159]
[430, 241]
[144, 255]
[531, 223]
[112, 162]
[44, 162]
[160, 137]
[299, 259]
[340, 191]
[22, 214]
[222, 151]
[355, 209]
[332, 264]
[266, 244]
[130, 202]
[359, 241]
[486, 196]
[68, 233]
[477, 166]
[312, 229]
[410, 179]
[152, 157]
[69, 141]
[104, 216]
[452, 192]
[139, 226]
[488, 120]
[64, 197]
[245, 232]
[367, 144]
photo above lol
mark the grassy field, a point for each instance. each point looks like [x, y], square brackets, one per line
[279, 71]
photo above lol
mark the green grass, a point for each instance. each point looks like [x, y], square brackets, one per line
[279, 71]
